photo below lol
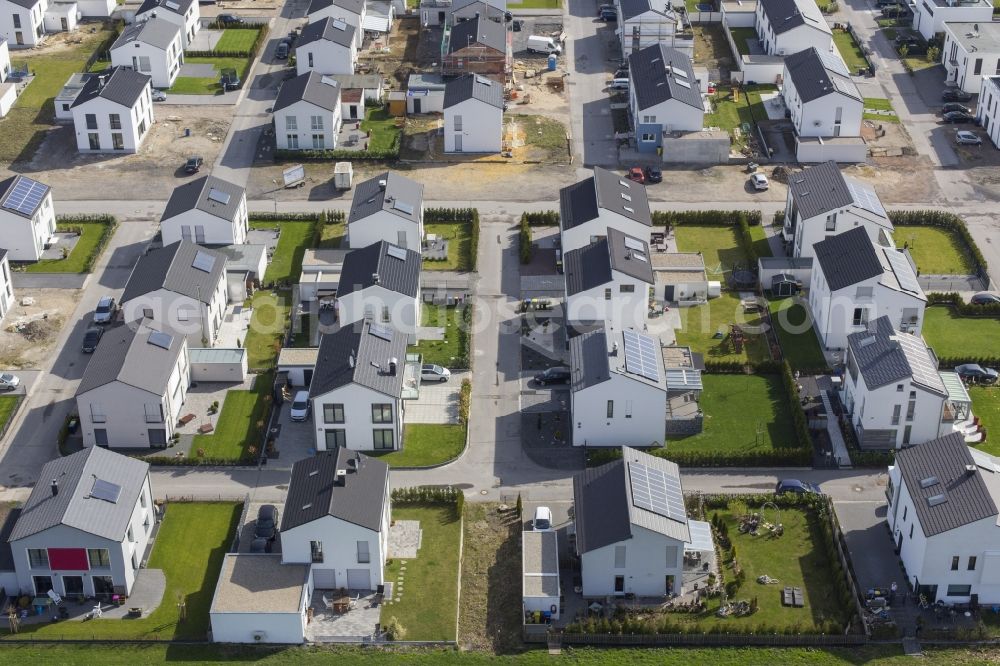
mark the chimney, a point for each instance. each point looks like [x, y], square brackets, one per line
[350, 359]
[382, 183]
[101, 80]
[341, 478]
[970, 469]
[55, 487]
[375, 278]
[393, 362]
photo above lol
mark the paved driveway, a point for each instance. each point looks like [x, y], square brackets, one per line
[869, 543]
[588, 52]
[438, 403]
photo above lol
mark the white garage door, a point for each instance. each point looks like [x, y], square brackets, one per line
[359, 579]
[325, 579]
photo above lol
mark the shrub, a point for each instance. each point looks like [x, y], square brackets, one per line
[545, 218]
[464, 401]
[394, 631]
[110, 223]
[706, 218]
[524, 240]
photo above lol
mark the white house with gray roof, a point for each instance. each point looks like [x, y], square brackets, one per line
[618, 389]
[85, 526]
[785, 27]
[820, 96]
[473, 115]
[351, 12]
[113, 112]
[942, 514]
[931, 16]
[822, 202]
[182, 286]
[206, 211]
[22, 22]
[307, 113]
[134, 386]
[970, 52]
[6, 285]
[465, 10]
[987, 108]
[855, 281]
[185, 13]
[381, 282]
[388, 207]
[609, 280]
[356, 388]
[645, 23]
[589, 208]
[326, 46]
[27, 218]
[631, 527]
[151, 47]
[664, 95]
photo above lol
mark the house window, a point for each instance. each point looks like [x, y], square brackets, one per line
[978, 67]
[959, 590]
[316, 552]
[100, 436]
[335, 438]
[972, 563]
[154, 414]
[627, 289]
[382, 439]
[117, 141]
[293, 141]
[611, 409]
[95, 140]
[333, 413]
[115, 120]
[911, 406]
[319, 143]
[863, 292]
[363, 556]
[145, 523]
[291, 123]
[831, 222]
[619, 557]
[91, 120]
[906, 510]
[954, 562]
[17, 20]
[896, 409]
[382, 413]
[131, 534]
[316, 122]
[38, 558]
[97, 414]
[628, 408]
[860, 317]
[311, 60]
[385, 314]
[607, 294]
[458, 123]
[99, 558]
[649, 119]
[648, 137]
[899, 388]
[142, 499]
[911, 531]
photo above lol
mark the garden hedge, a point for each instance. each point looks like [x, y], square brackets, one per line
[706, 218]
[945, 220]
[524, 240]
[468, 216]
[447, 496]
[110, 222]
[544, 218]
[961, 307]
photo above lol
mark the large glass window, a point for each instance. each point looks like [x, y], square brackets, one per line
[382, 413]
[316, 551]
[335, 437]
[99, 558]
[363, 556]
[38, 558]
[382, 439]
[333, 413]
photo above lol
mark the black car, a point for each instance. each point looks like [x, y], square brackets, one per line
[653, 174]
[90, 339]
[193, 164]
[958, 117]
[955, 106]
[230, 80]
[795, 486]
[266, 526]
[516, 26]
[955, 95]
[973, 372]
[281, 53]
[229, 19]
[558, 375]
[260, 545]
[893, 11]
[984, 298]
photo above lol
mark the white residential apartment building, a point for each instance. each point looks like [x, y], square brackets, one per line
[785, 27]
[390, 208]
[931, 16]
[185, 13]
[307, 113]
[820, 96]
[988, 108]
[326, 46]
[21, 22]
[970, 52]
[113, 112]
[381, 283]
[153, 47]
[473, 115]
[206, 211]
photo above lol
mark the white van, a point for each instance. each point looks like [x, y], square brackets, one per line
[618, 84]
[540, 44]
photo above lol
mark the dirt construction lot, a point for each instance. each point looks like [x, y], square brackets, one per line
[30, 331]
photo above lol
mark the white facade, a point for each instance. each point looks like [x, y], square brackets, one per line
[162, 65]
[930, 16]
[649, 28]
[831, 115]
[306, 126]
[4, 60]
[382, 306]
[473, 126]
[96, 8]
[971, 51]
[347, 16]
[619, 411]
[326, 57]
[204, 228]
[646, 560]
[671, 115]
[358, 424]
[20, 26]
[61, 17]
[804, 233]
[340, 565]
[25, 238]
[6, 286]
[988, 108]
[259, 599]
[256, 627]
[387, 226]
[586, 233]
[199, 322]
[189, 21]
[813, 31]
[104, 126]
[623, 303]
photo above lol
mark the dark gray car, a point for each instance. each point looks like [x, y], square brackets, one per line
[90, 339]
[266, 526]
[558, 375]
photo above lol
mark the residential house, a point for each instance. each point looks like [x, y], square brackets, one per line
[645, 23]
[320, 274]
[609, 280]
[153, 47]
[631, 527]
[356, 389]
[987, 108]
[259, 599]
[207, 211]
[84, 530]
[931, 16]
[185, 13]
[70, 91]
[971, 51]
[434, 12]
[381, 282]
[425, 94]
[8, 89]
[113, 112]
[182, 286]
[942, 513]
[466, 10]
[664, 96]
[27, 217]
[352, 105]
[372, 86]
[21, 22]
[351, 12]
[96, 8]
[6, 286]
[480, 46]
[822, 202]
[473, 115]
[326, 46]
[589, 208]
[854, 282]
[785, 27]
[60, 17]
[388, 207]
[820, 96]
[680, 277]
[618, 392]
[307, 113]
[683, 368]
[245, 268]
[134, 386]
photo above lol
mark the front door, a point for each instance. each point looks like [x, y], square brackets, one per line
[353, 113]
[619, 584]
[458, 143]
[19, 38]
[100, 436]
[307, 376]
[42, 584]
[72, 585]
[104, 585]
[899, 542]
[441, 17]
[65, 28]
[416, 105]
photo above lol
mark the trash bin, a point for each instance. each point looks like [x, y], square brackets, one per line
[187, 131]
[72, 426]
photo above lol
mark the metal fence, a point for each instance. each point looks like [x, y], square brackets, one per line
[949, 283]
[776, 640]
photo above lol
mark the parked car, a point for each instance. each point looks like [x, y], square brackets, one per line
[542, 520]
[884, 3]
[434, 373]
[957, 117]
[557, 375]
[609, 15]
[973, 372]
[159, 96]
[260, 546]
[955, 106]
[759, 182]
[637, 174]
[300, 406]
[193, 164]
[266, 526]
[229, 80]
[967, 138]
[606, 7]
[281, 52]
[229, 19]
[105, 310]
[653, 174]
[517, 26]
[893, 11]
[984, 298]
[90, 339]
[9, 382]
[621, 73]
[955, 95]
[795, 486]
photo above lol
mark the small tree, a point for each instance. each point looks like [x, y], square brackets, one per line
[519, 507]
[904, 51]
[933, 53]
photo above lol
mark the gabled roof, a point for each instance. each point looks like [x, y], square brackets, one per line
[314, 491]
[848, 258]
[823, 188]
[784, 15]
[209, 194]
[157, 32]
[22, 196]
[886, 356]
[659, 73]
[27, 4]
[172, 268]
[356, 355]
[399, 195]
[73, 505]
[632, 8]
[117, 84]
[581, 202]
[179, 7]
[312, 87]
[473, 86]
[629, 255]
[588, 360]
[816, 75]
[328, 29]
[500, 5]
[592, 265]
[376, 265]
[353, 6]
[945, 493]
[127, 355]
[479, 30]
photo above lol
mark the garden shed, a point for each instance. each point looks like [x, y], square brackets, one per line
[218, 364]
[540, 576]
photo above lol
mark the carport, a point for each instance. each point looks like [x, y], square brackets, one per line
[218, 364]
[298, 363]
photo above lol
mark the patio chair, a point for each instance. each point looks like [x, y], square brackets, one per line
[327, 603]
[354, 601]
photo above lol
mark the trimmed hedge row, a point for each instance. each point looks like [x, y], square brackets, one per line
[524, 240]
[545, 218]
[706, 218]
[468, 216]
[798, 414]
[447, 496]
[327, 155]
[961, 307]
[945, 220]
[110, 222]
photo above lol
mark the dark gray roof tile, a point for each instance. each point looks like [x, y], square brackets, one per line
[886, 356]
[581, 202]
[158, 32]
[323, 91]
[651, 83]
[353, 6]
[473, 86]
[588, 359]
[479, 30]
[171, 268]
[587, 267]
[178, 7]
[332, 30]
[400, 196]
[198, 194]
[784, 15]
[848, 258]
[631, 261]
[816, 75]
[313, 492]
[125, 354]
[362, 265]
[123, 86]
[370, 366]
[600, 506]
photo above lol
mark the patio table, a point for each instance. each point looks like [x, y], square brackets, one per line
[341, 604]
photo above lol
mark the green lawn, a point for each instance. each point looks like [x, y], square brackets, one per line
[453, 350]
[849, 51]
[81, 258]
[241, 423]
[759, 237]
[268, 324]
[8, 403]
[986, 405]
[734, 406]
[799, 347]
[534, 4]
[384, 132]
[701, 324]
[332, 234]
[237, 39]
[730, 113]
[936, 251]
[189, 548]
[427, 444]
[873, 104]
[428, 607]
[194, 85]
[740, 37]
[953, 336]
[459, 237]
[286, 263]
[719, 245]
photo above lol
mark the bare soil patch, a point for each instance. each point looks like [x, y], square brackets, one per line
[30, 332]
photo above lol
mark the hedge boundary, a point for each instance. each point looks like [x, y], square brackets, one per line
[110, 223]
[468, 216]
[945, 220]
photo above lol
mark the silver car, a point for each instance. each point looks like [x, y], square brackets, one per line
[434, 373]
[300, 406]
[105, 311]
[9, 382]
[967, 138]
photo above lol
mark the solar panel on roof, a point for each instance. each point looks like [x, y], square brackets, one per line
[381, 331]
[682, 83]
[396, 252]
[161, 339]
[655, 490]
[903, 271]
[203, 261]
[403, 206]
[340, 25]
[218, 196]
[634, 244]
[105, 490]
[25, 196]
[483, 80]
[865, 197]
[641, 355]
[329, 81]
